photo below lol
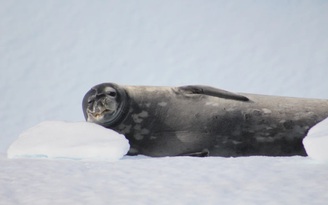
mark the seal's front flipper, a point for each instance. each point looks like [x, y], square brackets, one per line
[133, 151]
[215, 92]
[204, 153]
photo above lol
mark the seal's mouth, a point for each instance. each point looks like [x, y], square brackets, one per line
[98, 116]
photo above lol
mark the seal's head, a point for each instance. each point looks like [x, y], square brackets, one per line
[105, 104]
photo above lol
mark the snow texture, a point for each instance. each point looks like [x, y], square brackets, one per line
[170, 180]
[316, 141]
[67, 140]
[52, 52]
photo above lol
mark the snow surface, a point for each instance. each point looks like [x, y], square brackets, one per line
[52, 52]
[78, 140]
[170, 180]
[316, 141]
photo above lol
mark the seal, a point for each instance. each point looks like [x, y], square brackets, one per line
[198, 120]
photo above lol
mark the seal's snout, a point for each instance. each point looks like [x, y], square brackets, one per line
[95, 108]
[101, 106]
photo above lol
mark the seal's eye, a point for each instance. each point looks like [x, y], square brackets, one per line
[113, 94]
[91, 99]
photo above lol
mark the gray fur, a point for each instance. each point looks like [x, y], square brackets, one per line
[204, 121]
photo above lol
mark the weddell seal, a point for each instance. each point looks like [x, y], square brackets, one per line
[203, 121]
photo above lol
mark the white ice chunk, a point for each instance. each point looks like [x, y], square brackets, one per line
[316, 141]
[70, 140]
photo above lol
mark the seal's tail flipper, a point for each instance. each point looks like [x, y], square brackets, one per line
[215, 92]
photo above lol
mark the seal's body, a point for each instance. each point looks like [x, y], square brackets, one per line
[202, 121]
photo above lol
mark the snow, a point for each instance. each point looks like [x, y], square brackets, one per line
[316, 141]
[68, 140]
[179, 180]
[52, 52]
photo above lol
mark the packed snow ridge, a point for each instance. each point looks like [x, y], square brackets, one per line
[316, 141]
[69, 140]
